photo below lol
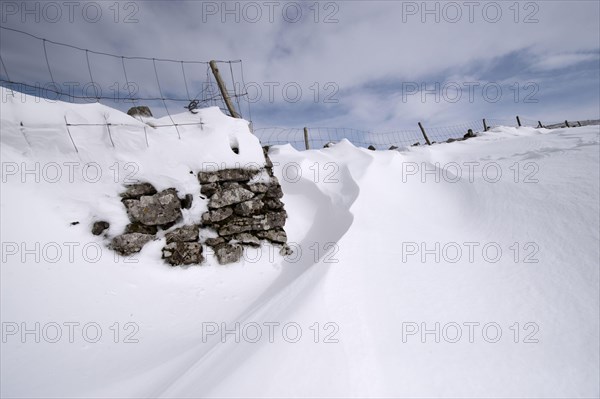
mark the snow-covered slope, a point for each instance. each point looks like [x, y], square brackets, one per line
[495, 239]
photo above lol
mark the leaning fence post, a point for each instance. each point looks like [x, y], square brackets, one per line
[485, 126]
[579, 123]
[146, 135]
[109, 134]
[518, 121]
[22, 129]
[306, 138]
[567, 123]
[540, 124]
[71, 137]
[424, 134]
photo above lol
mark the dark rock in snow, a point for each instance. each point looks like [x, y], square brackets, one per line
[183, 253]
[183, 234]
[159, 209]
[135, 191]
[141, 110]
[216, 215]
[229, 196]
[99, 227]
[140, 228]
[186, 202]
[228, 253]
[130, 243]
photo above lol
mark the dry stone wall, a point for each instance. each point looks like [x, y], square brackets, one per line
[244, 209]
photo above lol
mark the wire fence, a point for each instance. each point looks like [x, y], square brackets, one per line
[74, 74]
[318, 137]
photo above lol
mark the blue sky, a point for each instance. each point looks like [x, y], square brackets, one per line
[359, 64]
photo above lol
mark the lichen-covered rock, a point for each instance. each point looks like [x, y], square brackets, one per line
[183, 234]
[240, 224]
[216, 215]
[209, 189]
[140, 228]
[159, 209]
[247, 239]
[226, 175]
[228, 253]
[229, 196]
[135, 191]
[213, 242]
[258, 188]
[276, 235]
[130, 243]
[183, 253]
[248, 208]
[274, 191]
[99, 227]
[273, 204]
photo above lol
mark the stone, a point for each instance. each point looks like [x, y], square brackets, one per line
[228, 253]
[140, 228]
[135, 191]
[469, 134]
[226, 175]
[186, 202]
[240, 224]
[247, 239]
[183, 234]
[248, 208]
[451, 140]
[277, 235]
[160, 209]
[274, 191]
[371, 148]
[130, 243]
[273, 204]
[286, 251]
[99, 227]
[258, 188]
[392, 148]
[141, 110]
[216, 215]
[183, 253]
[416, 144]
[209, 189]
[213, 242]
[229, 196]
[329, 144]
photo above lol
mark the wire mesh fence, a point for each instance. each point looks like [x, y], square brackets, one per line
[318, 137]
[61, 71]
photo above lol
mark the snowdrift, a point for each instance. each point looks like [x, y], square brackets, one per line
[457, 270]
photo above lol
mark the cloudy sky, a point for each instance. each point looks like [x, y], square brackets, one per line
[372, 65]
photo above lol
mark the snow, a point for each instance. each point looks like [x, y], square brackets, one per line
[358, 221]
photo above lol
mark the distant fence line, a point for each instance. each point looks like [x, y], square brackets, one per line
[318, 137]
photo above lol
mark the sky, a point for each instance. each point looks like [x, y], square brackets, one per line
[369, 65]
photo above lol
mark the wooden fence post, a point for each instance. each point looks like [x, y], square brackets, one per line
[540, 124]
[71, 137]
[518, 121]
[424, 134]
[567, 123]
[306, 138]
[223, 89]
[578, 123]
[485, 126]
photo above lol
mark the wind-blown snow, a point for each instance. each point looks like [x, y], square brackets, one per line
[354, 216]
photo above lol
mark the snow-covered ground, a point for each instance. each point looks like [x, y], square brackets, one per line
[458, 270]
